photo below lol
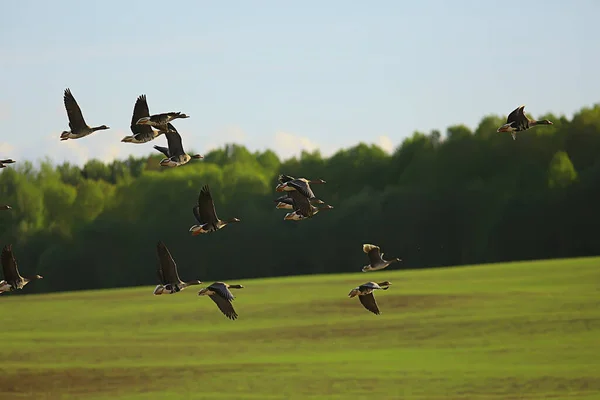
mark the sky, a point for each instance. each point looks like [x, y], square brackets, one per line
[286, 76]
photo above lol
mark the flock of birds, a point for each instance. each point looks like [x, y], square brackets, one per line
[298, 197]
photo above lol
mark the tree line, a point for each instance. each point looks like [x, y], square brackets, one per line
[464, 197]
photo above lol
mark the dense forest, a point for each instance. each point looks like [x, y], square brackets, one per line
[440, 199]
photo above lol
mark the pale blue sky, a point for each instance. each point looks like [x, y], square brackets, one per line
[283, 75]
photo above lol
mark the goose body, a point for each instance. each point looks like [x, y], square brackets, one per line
[4, 162]
[142, 133]
[517, 121]
[175, 155]
[288, 184]
[5, 207]
[219, 293]
[206, 215]
[365, 294]
[297, 215]
[77, 123]
[376, 261]
[160, 121]
[12, 278]
[167, 273]
[302, 207]
[286, 202]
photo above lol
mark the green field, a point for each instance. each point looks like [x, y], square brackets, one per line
[503, 331]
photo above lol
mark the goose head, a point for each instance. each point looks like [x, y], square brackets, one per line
[354, 292]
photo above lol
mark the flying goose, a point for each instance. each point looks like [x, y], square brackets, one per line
[220, 294]
[302, 207]
[160, 121]
[376, 261]
[77, 124]
[517, 121]
[175, 154]
[5, 207]
[167, 273]
[365, 294]
[12, 279]
[300, 184]
[7, 161]
[206, 214]
[142, 133]
[286, 201]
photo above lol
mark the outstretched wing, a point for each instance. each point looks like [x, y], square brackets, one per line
[206, 207]
[517, 115]
[174, 141]
[9, 265]
[303, 187]
[285, 178]
[374, 254]
[140, 109]
[368, 301]
[167, 264]
[301, 203]
[163, 150]
[76, 121]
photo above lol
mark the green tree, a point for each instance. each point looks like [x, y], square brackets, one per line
[561, 172]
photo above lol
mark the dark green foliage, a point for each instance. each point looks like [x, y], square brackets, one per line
[468, 197]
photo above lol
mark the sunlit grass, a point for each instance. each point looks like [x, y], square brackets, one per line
[509, 331]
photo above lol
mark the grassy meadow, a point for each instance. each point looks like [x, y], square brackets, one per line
[527, 330]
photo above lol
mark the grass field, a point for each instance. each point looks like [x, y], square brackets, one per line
[511, 331]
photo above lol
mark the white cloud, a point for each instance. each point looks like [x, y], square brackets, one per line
[7, 150]
[288, 144]
[385, 143]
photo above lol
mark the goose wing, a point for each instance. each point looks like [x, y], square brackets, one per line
[223, 298]
[174, 141]
[374, 254]
[517, 115]
[205, 211]
[284, 199]
[9, 265]
[301, 203]
[168, 267]
[163, 150]
[140, 109]
[76, 121]
[302, 187]
[368, 301]
[285, 178]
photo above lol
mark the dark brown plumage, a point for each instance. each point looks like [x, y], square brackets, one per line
[220, 294]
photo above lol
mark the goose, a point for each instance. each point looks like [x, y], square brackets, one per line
[160, 121]
[286, 201]
[77, 124]
[376, 261]
[365, 294]
[298, 216]
[142, 133]
[12, 279]
[175, 154]
[302, 207]
[206, 214]
[517, 121]
[167, 273]
[5, 207]
[288, 184]
[219, 293]
[7, 161]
